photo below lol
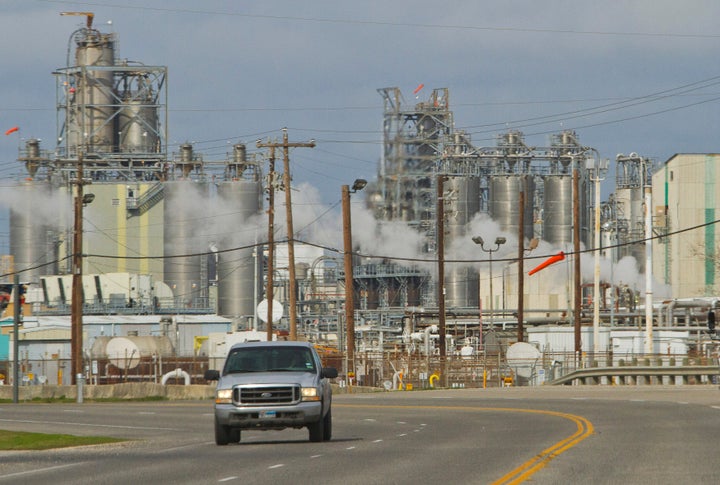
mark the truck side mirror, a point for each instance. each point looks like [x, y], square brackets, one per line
[212, 375]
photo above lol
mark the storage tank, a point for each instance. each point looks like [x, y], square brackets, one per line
[504, 202]
[183, 220]
[239, 271]
[138, 127]
[91, 102]
[631, 222]
[558, 209]
[127, 352]
[32, 238]
[462, 203]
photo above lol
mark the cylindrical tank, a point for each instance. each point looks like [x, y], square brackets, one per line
[461, 205]
[126, 352]
[558, 209]
[91, 102]
[183, 221]
[238, 271]
[503, 204]
[32, 238]
[631, 223]
[137, 127]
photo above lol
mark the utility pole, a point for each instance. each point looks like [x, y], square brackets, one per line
[440, 236]
[521, 265]
[576, 249]
[76, 310]
[269, 290]
[359, 184]
[286, 145]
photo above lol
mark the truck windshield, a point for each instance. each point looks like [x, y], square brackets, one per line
[270, 359]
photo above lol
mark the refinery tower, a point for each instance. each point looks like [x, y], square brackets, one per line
[152, 209]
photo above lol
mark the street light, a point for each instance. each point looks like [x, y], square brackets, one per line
[599, 169]
[499, 241]
[359, 184]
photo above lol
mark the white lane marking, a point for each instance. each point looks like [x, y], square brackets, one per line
[402, 434]
[370, 419]
[76, 411]
[41, 470]
[87, 424]
[350, 448]
[715, 407]
[315, 456]
[279, 465]
[377, 441]
[637, 400]
[227, 479]
[401, 422]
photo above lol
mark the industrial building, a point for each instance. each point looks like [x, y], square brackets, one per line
[152, 257]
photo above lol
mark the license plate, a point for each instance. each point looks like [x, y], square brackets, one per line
[268, 414]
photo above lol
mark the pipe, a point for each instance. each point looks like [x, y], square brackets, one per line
[177, 373]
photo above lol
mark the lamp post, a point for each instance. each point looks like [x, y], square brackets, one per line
[359, 184]
[76, 308]
[599, 169]
[499, 241]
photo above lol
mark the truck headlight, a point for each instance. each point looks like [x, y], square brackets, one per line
[223, 396]
[310, 394]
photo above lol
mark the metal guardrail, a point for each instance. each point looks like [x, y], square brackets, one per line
[700, 373]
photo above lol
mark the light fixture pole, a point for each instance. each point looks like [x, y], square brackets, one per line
[499, 241]
[359, 184]
[599, 169]
[76, 303]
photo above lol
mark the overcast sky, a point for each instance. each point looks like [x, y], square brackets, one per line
[629, 76]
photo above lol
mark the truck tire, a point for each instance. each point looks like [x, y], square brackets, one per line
[327, 426]
[222, 434]
[317, 430]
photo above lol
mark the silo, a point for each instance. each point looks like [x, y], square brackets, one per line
[462, 203]
[91, 101]
[504, 202]
[32, 239]
[558, 209]
[138, 127]
[183, 217]
[631, 223]
[239, 272]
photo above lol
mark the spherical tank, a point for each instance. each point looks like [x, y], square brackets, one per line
[32, 237]
[558, 209]
[504, 201]
[461, 204]
[183, 220]
[91, 123]
[239, 272]
[137, 127]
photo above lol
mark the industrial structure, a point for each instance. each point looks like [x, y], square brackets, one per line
[161, 274]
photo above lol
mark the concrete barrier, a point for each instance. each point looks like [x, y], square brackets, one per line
[130, 390]
[134, 390]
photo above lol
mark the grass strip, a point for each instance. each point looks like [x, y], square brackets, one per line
[20, 440]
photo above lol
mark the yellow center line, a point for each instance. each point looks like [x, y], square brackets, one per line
[527, 469]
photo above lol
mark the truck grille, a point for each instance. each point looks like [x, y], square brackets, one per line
[266, 395]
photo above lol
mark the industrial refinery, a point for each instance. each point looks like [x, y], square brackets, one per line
[111, 214]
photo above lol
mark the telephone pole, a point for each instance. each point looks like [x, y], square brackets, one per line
[286, 145]
[76, 308]
[269, 289]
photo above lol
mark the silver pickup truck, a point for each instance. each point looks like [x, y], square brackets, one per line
[272, 386]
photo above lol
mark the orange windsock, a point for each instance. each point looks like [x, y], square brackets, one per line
[552, 259]
[419, 88]
[12, 130]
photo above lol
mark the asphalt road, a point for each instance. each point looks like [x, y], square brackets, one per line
[598, 435]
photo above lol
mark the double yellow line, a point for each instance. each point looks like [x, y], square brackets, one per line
[524, 471]
[527, 469]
